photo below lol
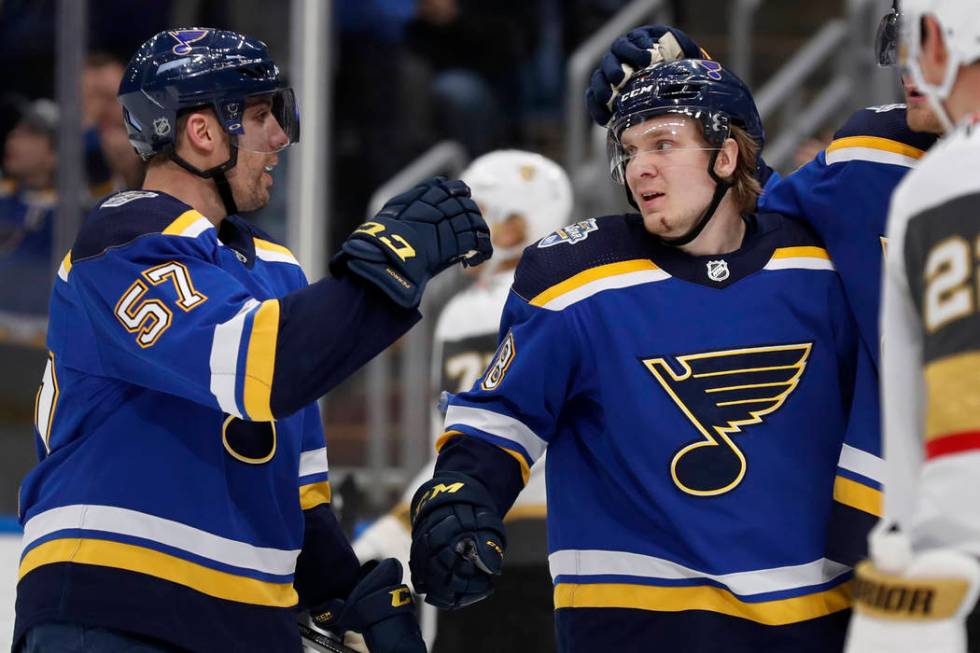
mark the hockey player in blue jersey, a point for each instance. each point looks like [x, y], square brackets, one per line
[843, 195]
[182, 498]
[689, 370]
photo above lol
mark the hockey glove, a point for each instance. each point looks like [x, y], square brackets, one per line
[415, 236]
[642, 47]
[912, 603]
[457, 541]
[380, 608]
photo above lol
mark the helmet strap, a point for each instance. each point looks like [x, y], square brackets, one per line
[217, 173]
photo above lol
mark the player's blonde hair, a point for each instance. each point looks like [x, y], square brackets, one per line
[746, 188]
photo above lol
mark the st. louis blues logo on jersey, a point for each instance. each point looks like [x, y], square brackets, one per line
[573, 233]
[720, 392]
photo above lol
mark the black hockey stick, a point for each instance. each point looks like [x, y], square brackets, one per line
[320, 642]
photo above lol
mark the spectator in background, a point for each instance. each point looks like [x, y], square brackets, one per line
[102, 119]
[474, 52]
[27, 203]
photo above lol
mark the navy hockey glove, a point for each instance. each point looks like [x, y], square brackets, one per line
[380, 608]
[415, 236]
[642, 47]
[457, 541]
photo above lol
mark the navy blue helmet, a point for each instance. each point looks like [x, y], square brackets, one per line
[183, 69]
[699, 89]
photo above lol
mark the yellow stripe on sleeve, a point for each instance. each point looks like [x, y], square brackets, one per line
[857, 495]
[525, 469]
[590, 275]
[713, 599]
[104, 553]
[261, 361]
[801, 252]
[186, 219]
[315, 494]
[876, 143]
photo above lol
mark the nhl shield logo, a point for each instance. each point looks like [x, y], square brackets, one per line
[718, 270]
[161, 127]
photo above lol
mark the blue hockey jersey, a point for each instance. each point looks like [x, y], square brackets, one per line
[844, 193]
[694, 411]
[182, 491]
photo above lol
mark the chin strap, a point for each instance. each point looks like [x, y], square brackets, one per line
[217, 173]
[721, 187]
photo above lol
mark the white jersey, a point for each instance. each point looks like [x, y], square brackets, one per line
[465, 341]
[931, 340]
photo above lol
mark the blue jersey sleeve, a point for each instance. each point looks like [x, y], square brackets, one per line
[513, 411]
[168, 317]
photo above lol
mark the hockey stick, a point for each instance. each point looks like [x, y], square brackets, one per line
[320, 642]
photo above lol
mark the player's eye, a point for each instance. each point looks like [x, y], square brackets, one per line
[663, 146]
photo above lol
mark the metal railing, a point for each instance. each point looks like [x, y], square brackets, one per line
[447, 157]
[584, 60]
[741, 24]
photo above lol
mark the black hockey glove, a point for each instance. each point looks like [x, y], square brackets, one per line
[634, 51]
[380, 608]
[458, 541]
[415, 236]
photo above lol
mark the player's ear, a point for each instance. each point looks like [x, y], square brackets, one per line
[933, 45]
[200, 133]
[727, 159]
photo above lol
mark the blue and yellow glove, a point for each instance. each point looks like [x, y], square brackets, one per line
[380, 608]
[634, 51]
[458, 541]
[415, 236]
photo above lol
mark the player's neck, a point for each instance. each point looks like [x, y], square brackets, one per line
[723, 233]
[198, 193]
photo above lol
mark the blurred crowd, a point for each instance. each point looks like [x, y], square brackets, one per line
[408, 74]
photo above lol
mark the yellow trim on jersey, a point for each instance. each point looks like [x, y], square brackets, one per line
[315, 494]
[876, 143]
[260, 362]
[857, 495]
[272, 247]
[533, 511]
[952, 395]
[442, 439]
[525, 468]
[713, 599]
[66, 264]
[801, 252]
[178, 226]
[590, 275]
[117, 555]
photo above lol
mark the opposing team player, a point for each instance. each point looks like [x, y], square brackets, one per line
[919, 591]
[690, 371]
[523, 197]
[182, 497]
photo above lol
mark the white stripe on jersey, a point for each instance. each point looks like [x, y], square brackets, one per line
[861, 462]
[870, 154]
[122, 521]
[571, 562]
[499, 425]
[606, 283]
[799, 263]
[224, 358]
[313, 462]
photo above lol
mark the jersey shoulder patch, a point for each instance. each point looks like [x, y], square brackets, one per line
[579, 247]
[123, 217]
[875, 133]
